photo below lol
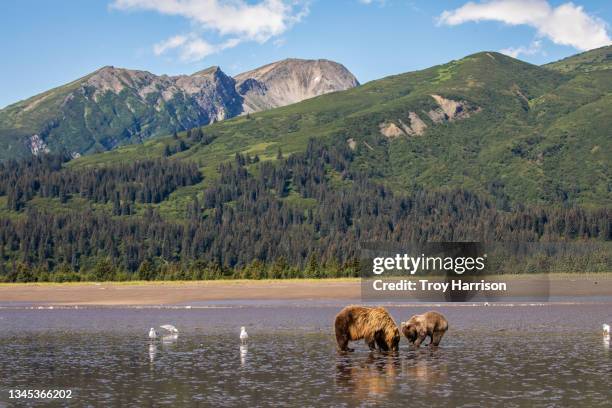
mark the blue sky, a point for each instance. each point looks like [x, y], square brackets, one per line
[47, 43]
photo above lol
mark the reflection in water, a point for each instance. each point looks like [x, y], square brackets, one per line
[426, 366]
[169, 338]
[380, 375]
[152, 351]
[375, 377]
[168, 341]
[606, 341]
[244, 350]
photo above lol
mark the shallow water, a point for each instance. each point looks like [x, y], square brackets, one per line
[548, 355]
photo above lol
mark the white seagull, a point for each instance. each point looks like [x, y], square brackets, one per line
[170, 328]
[243, 335]
[152, 334]
[606, 329]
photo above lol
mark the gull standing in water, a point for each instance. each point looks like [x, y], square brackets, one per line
[152, 334]
[172, 335]
[170, 328]
[243, 335]
[606, 329]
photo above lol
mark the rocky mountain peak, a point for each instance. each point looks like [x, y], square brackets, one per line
[210, 71]
[114, 79]
[291, 80]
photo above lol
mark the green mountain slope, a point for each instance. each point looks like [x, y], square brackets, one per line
[593, 60]
[488, 123]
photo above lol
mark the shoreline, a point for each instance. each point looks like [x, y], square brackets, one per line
[141, 293]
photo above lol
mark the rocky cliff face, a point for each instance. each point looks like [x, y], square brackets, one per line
[210, 92]
[290, 81]
[115, 106]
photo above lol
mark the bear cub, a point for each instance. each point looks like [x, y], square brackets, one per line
[419, 327]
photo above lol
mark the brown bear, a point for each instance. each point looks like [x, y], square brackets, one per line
[431, 324]
[374, 324]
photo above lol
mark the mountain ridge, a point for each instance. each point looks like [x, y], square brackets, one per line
[113, 106]
[588, 61]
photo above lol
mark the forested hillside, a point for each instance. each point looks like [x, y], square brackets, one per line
[486, 148]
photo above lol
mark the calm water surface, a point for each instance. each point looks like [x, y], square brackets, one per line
[550, 355]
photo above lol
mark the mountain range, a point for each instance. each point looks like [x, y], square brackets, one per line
[489, 123]
[116, 106]
[516, 132]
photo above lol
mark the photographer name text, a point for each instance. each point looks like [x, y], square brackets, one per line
[426, 285]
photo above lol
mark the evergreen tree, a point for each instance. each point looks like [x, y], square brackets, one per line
[104, 270]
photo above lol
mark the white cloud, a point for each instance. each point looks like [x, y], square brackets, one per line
[567, 24]
[532, 49]
[238, 19]
[169, 44]
[279, 42]
[192, 48]
[196, 49]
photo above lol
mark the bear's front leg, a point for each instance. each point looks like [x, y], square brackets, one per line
[343, 342]
[419, 340]
[371, 342]
[382, 344]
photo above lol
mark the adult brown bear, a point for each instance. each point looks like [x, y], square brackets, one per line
[373, 324]
[431, 324]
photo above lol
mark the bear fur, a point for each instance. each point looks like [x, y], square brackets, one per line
[431, 324]
[373, 324]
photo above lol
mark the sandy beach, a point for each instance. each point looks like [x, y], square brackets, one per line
[169, 293]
